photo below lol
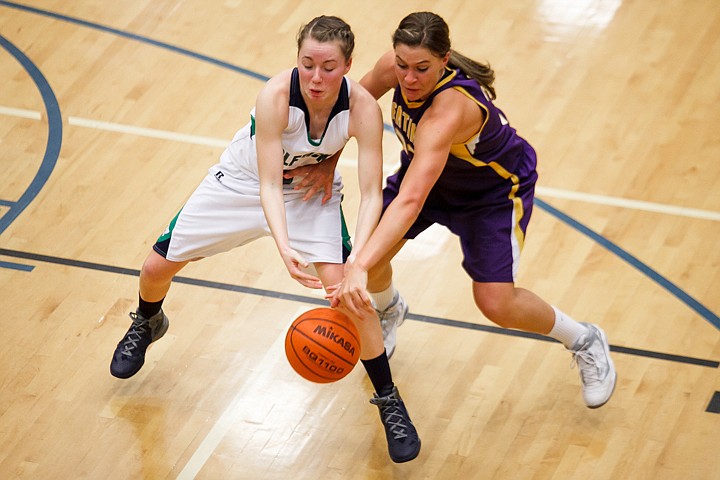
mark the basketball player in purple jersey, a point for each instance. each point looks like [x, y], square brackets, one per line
[464, 167]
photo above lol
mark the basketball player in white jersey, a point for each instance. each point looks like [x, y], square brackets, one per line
[302, 116]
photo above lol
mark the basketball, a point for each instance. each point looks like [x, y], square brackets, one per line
[322, 345]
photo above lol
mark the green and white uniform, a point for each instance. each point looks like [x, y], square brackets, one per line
[225, 212]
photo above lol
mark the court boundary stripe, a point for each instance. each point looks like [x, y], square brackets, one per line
[541, 191]
[608, 201]
[714, 404]
[653, 275]
[133, 36]
[16, 266]
[144, 39]
[54, 137]
[21, 112]
[320, 301]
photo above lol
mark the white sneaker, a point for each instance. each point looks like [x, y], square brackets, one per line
[390, 319]
[597, 372]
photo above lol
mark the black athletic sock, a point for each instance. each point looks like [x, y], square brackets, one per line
[378, 369]
[148, 309]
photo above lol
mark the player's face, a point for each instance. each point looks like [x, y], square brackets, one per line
[418, 70]
[321, 66]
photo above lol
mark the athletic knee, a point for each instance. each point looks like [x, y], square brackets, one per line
[157, 269]
[497, 307]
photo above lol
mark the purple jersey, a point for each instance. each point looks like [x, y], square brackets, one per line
[485, 191]
[491, 158]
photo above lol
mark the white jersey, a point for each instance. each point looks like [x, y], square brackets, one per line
[238, 162]
[225, 210]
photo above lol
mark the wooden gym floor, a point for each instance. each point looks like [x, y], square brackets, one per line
[110, 114]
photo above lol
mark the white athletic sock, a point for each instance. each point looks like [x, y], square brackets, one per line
[566, 330]
[383, 299]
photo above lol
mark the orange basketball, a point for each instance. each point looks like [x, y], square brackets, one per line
[322, 345]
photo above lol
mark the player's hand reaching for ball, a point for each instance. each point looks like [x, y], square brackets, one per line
[352, 293]
[295, 264]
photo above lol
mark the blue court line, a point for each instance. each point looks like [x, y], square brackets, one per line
[6, 203]
[132, 36]
[652, 274]
[54, 140]
[16, 266]
[699, 308]
[141, 38]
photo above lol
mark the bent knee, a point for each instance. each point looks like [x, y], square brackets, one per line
[496, 307]
[496, 313]
[157, 268]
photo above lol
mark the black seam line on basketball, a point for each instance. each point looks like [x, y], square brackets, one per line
[327, 350]
[317, 301]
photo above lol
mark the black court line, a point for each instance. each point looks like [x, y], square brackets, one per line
[714, 405]
[319, 301]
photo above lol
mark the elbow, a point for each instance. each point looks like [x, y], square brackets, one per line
[416, 200]
[412, 205]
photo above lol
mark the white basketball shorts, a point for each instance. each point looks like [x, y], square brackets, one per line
[217, 218]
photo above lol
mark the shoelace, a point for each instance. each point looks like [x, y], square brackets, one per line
[392, 416]
[590, 368]
[134, 335]
[381, 313]
[386, 326]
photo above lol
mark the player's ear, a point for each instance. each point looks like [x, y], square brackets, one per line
[348, 65]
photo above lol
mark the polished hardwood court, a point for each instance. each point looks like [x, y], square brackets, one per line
[111, 114]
